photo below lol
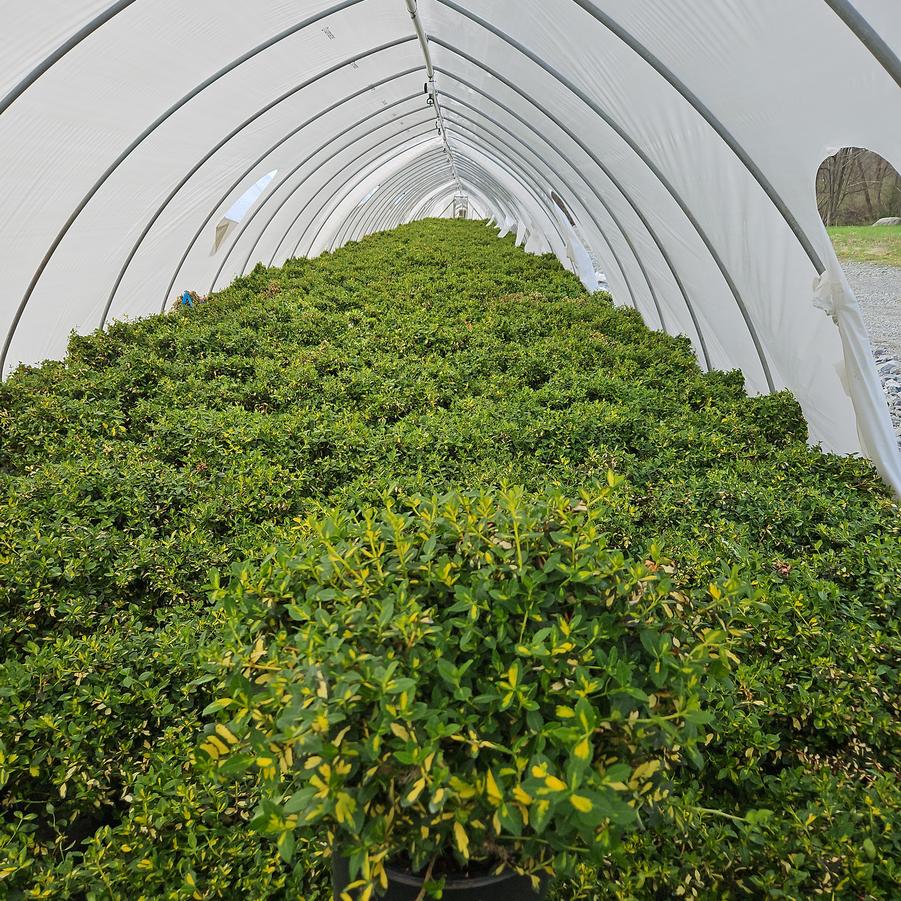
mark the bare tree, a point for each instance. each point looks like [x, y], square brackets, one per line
[835, 183]
[857, 186]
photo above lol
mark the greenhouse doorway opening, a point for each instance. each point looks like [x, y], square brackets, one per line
[857, 187]
[461, 206]
[859, 199]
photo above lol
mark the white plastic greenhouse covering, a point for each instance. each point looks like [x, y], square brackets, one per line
[683, 136]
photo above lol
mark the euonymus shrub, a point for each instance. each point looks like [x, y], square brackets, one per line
[428, 359]
[478, 676]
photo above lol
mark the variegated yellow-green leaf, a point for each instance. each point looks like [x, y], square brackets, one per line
[521, 795]
[416, 791]
[226, 734]
[344, 808]
[461, 840]
[581, 803]
[491, 787]
[555, 784]
[645, 771]
[218, 744]
[400, 731]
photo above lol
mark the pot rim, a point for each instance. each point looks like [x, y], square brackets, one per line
[405, 877]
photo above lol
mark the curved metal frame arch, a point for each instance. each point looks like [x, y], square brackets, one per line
[297, 187]
[398, 191]
[447, 206]
[341, 232]
[359, 93]
[711, 119]
[427, 210]
[250, 219]
[417, 202]
[672, 79]
[475, 176]
[371, 167]
[559, 178]
[352, 215]
[403, 179]
[125, 154]
[635, 147]
[525, 187]
[842, 8]
[429, 203]
[470, 185]
[475, 197]
[852, 18]
[369, 148]
[546, 207]
[486, 207]
[433, 194]
[407, 213]
[574, 199]
[390, 45]
[69, 44]
[373, 163]
[589, 153]
[380, 209]
[356, 178]
[391, 218]
[609, 174]
[502, 165]
[501, 162]
[868, 36]
[397, 188]
[308, 158]
[454, 111]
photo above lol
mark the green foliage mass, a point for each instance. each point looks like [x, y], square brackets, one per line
[476, 677]
[430, 360]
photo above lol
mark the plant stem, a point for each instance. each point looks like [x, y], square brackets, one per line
[718, 813]
[426, 878]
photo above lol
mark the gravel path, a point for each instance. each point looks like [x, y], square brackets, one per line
[878, 289]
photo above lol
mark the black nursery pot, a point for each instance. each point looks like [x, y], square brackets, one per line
[403, 886]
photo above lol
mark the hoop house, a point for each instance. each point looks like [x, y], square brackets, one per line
[681, 137]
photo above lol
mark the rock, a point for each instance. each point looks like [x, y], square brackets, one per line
[888, 367]
[890, 220]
